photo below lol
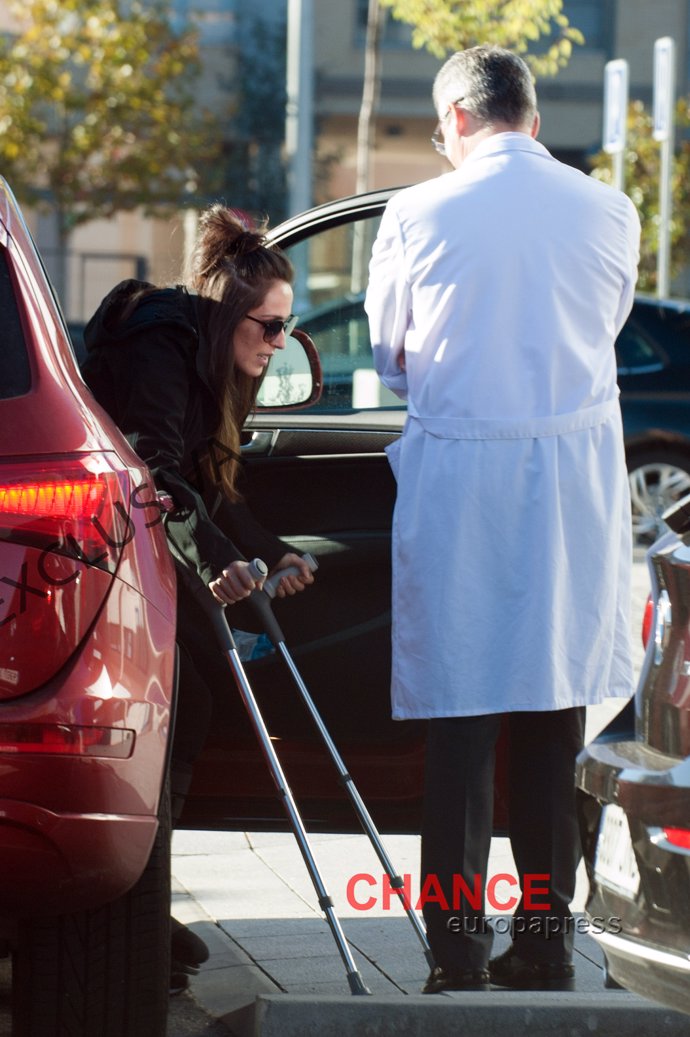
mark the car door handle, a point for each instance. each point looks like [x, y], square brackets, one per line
[260, 443]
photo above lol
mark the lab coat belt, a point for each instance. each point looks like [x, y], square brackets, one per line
[517, 428]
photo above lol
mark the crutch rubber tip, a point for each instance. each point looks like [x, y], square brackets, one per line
[357, 984]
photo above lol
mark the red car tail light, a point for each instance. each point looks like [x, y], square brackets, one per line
[647, 620]
[65, 506]
[63, 524]
[66, 740]
[678, 837]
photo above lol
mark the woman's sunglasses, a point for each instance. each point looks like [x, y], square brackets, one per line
[273, 328]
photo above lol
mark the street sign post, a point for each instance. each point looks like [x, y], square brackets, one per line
[664, 105]
[615, 116]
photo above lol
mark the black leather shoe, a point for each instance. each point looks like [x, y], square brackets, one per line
[456, 979]
[179, 982]
[187, 952]
[510, 970]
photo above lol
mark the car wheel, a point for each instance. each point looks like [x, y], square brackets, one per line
[658, 479]
[103, 972]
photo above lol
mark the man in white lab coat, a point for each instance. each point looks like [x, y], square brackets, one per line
[496, 293]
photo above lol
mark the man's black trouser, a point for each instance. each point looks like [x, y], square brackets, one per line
[457, 829]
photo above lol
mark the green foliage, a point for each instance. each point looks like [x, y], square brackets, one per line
[97, 109]
[641, 166]
[444, 26]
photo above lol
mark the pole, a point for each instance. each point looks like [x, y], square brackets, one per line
[299, 132]
[615, 117]
[362, 230]
[370, 96]
[664, 103]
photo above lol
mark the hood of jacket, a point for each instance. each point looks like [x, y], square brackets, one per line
[158, 306]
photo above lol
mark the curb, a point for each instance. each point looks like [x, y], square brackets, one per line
[447, 1015]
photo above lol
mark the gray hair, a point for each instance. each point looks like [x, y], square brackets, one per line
[494, 84]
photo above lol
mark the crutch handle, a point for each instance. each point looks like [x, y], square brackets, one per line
[258, 570]
[271, 583]
[260, 600]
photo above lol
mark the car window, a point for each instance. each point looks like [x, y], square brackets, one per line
[666, 323]
[332, 268]
[635, 351]
[15, 372]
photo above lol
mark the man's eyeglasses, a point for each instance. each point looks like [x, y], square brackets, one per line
[437, 136]
[273, 328]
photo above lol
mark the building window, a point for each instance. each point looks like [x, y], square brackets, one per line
[594, 19]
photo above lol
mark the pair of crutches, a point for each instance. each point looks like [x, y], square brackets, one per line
[261, 602]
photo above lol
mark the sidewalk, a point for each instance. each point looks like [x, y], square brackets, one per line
[275, 970]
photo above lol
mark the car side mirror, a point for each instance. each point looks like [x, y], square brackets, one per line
[294, 378]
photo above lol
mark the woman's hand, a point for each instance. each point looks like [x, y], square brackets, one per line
[295, 582]
[235, 583]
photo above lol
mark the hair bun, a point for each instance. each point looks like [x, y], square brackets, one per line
[245, 242]
[224, 235]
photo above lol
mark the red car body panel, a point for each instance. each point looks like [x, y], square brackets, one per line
[87, 633]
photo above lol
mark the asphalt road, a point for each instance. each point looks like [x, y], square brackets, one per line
[187, 1019]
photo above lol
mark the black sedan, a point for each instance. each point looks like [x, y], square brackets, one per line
[634, 799]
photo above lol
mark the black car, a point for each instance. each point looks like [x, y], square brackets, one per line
[653, 352]
[634, 799]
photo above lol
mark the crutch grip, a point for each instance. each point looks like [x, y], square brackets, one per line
[271, 583]
[260, 600]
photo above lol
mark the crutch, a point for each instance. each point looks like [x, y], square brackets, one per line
[261, 601]
[226, 641]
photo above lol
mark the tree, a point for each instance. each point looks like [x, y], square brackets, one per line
[97, 110]
[443, 26]
[641, 173]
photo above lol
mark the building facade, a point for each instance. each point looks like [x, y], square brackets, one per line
[243, 79]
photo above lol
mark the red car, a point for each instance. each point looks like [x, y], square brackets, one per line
[87, 661]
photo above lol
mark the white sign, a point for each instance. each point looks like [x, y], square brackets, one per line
[614, 858]
[664, 87]
[615, 106]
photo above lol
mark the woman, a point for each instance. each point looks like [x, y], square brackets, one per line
[178, 369]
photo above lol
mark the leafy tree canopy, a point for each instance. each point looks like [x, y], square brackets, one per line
[443, 26]
[641, 180]
[97, 110]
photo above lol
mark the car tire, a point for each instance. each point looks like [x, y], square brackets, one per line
[658, 478]
[103, 972]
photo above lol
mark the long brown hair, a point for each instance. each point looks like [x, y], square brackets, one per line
[232, 270]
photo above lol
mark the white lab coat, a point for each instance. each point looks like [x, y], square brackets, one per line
[505, 283]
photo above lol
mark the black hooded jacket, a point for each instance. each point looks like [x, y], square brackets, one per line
[151, 374]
